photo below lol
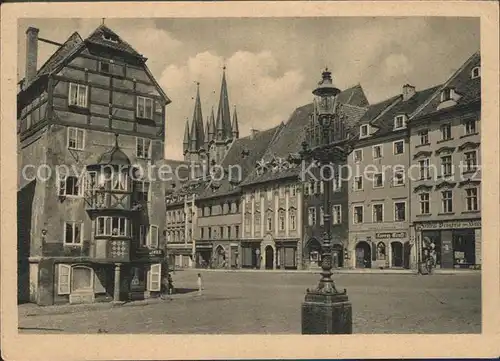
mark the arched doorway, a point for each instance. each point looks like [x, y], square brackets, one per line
[313, 253]
[363, 255]
[269, 257]
[397, 254]
[220, 257]
[337, 255]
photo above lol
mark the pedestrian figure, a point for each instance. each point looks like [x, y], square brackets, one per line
[200, 284]
[164, 287]
[170, 284]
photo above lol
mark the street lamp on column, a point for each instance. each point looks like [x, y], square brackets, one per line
[326, 310]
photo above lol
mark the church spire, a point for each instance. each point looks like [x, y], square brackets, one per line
[185, 143]
[234, 126]
[211, 126]
[223, 124]
[197, 132]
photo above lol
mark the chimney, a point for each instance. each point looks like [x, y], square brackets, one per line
[31, 53]
[408, 91]
[253, 133]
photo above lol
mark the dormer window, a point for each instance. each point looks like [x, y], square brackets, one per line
[104, 67]
[476, 72]
[447, 94]
[109, 37]
[400, 122]
[364, 130]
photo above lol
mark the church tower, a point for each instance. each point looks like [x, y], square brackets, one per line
[211, 142]
[223, 128]
[194, 138]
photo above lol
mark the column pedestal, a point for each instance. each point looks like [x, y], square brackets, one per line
[326, 314]
[116, 292]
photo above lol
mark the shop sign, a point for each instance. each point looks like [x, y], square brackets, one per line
[155, 252]
[476, 223]
[389, 235]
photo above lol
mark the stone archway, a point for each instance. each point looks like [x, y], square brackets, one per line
[312, 254]
[363, 255]
[220, 257]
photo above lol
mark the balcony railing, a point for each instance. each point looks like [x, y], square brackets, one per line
[108, 200]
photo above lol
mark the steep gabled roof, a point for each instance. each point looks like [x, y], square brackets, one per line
[385, 122]
[353, 96]
[75, 44]
[289, 141]
[461, 81]
[68, 48]
[102, 31]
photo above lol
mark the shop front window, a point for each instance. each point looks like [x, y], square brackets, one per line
[431, 243]
[464, 250]
[381, 251]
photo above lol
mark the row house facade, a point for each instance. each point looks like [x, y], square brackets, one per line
[354, 105]
[445, 151]
[220, 234]
[180, 223]
[415, 185]
[93, 231]
[379, 190]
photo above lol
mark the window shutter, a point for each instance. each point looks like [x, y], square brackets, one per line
[154, 277]
[62, 185]
[64, 277]
[154, 236]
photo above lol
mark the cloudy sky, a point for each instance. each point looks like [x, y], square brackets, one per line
[273, 64]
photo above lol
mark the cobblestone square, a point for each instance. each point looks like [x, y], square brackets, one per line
[270, 303]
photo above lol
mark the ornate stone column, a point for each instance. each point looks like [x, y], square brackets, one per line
[116, 292]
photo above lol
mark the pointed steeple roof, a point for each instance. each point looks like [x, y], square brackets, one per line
[193, 144]
[234, 126]
[207, 134]
[211, 124]
[223, 113]
[186, 141]
[198, 119]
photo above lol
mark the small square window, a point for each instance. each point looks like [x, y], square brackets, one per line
[446, 132]
[358, 155]
[104, 67]
[424, 137]
[399, 147]
[377, 151]
[363, 130]
[447, 94]
[399, 122]
[378, 180]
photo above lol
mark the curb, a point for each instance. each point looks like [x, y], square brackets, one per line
[335, 272]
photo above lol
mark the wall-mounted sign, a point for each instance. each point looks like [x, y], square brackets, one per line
[476, 223]
[155, 252]
[389, 235]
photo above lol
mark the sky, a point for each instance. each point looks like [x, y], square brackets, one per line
[272, 64]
